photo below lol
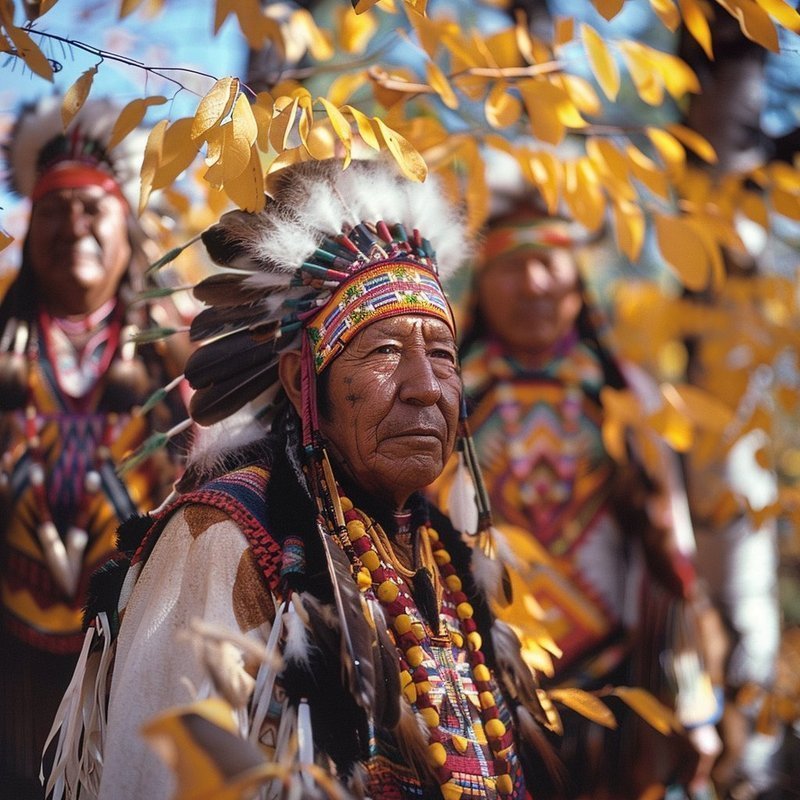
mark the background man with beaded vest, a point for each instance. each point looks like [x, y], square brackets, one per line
[575, 522]
[68, 382]
[302, 526]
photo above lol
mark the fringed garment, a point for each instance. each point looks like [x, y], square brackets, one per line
[226, 555]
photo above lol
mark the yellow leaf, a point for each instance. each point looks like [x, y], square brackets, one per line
[683, 250]
[553, 718]
[295, 155]
[564, 31]
[784, 176]
[648, 708]
[522, 36]
[355, 30]
[247, 188]
[262, 113]
[612, 165]
[360, 6]
[282, 124]
[26, 48]
[343, 87]
[694, 141]
[322, 143]
[696, 23]
[440, 85]
[629, 227]
[150, 162]
[667, 12]
[785, 203]
[752, 206]
[131, 116]
[214, 107]
[541, 101]
[243, 121]
[647, 171]
[783, 12]
[545, 170]
[319, 42]
[5, 239]
[585, 704]
[678, 77]
[603, 66]
[341, 127]
[128, 7]
[648, 81]
[583, 194]
[76, 95]
[178, 151]
[754, 22]
[504, 49]
[669, 148]
[608, 8]
[364, 127]
[582, 94]
[699, 406]
[429, 31]
[408, 159]
[502, 109]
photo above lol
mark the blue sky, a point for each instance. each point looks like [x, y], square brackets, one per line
[181, 36]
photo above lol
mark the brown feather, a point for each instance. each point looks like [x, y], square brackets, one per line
[218, 401]
[413, 744]
[228, 290]
[532, 737]
[225, 357]
[217, 321]
[387, 669]
[517, 676]
[357, 637]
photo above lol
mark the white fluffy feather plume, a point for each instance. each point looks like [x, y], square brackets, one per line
[40, 123]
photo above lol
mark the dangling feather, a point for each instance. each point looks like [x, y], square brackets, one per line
[537, 749]
[412, 742]
[489, 568]
[425, 597]
[461, 501]
[387, 669]
[225, 357]
[213, 403]
[355, 635]
[516, 675]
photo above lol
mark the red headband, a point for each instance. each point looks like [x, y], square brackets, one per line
[73, 176]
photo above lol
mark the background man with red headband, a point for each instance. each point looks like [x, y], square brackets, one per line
[69, 379]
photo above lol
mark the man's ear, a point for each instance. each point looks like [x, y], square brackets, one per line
[289, 372]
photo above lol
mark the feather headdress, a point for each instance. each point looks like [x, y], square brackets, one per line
[38, 144]
[332, 250]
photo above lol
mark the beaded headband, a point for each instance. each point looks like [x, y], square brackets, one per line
[38, 149]
[522, 232]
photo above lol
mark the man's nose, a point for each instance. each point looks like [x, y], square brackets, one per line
[418, 382]
[76, 219]
[536, 277]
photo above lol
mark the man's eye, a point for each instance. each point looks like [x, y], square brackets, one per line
[447, 355]
[387, 349]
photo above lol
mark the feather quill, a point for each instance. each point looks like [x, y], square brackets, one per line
[214, 403]
[224, 358]
[355, 634]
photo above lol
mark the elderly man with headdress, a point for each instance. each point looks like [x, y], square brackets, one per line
[303, 527]
[575, 521]
[68, 383]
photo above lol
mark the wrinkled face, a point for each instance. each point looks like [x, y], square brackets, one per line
[78, 247]
[393, 404]
[530, 299]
